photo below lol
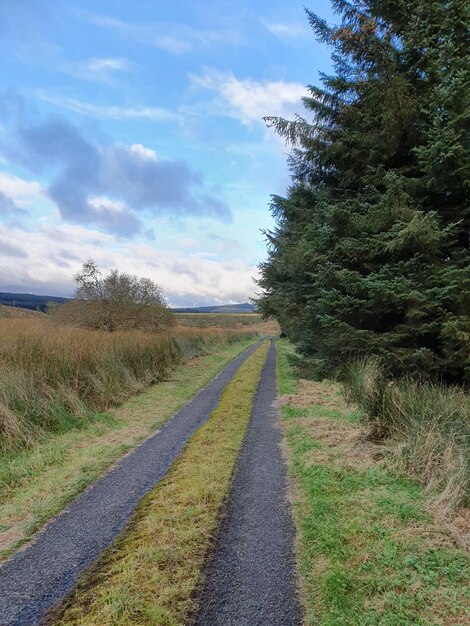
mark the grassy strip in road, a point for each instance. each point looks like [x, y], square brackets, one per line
[149, 576]
[369, 551]
[36, 484]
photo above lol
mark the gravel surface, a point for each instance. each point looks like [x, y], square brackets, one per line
[250, 580]
[36, 578]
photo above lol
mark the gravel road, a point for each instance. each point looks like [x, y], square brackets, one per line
[36, 578]
[250, 580]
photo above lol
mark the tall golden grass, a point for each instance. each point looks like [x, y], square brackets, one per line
[54, 378]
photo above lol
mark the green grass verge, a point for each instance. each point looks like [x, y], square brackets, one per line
[36, 484]
[150, 575]
[369, 552]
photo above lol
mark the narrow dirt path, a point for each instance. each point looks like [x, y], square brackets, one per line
[36, 578]
[250, 580]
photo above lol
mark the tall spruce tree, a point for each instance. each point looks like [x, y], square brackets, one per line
[370, 253]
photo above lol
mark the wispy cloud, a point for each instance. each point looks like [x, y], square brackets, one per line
[10, 250]
[11, 215]
[115, 112]
[223, 244]
[98, 65]
[100, 69]
[248, 100]
[291, 30]
[176, 38]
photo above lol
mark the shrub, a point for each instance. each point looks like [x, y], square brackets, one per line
[117, 301]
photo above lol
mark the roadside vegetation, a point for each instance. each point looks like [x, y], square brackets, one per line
[37, 481]
[65, 376]
[426, 428]
[113, 339]
[55, 378]
[151, 574]
[371, 549]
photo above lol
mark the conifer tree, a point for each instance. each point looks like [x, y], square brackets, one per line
[371, 251]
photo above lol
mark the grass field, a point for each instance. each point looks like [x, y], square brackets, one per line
[151, 573]
[370, 551]
[53, 378]
[36, 483]
[217, 320]
[11, 312]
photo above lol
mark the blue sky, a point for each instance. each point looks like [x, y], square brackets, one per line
[131, 133]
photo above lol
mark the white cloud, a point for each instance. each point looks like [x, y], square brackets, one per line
[80, 168]
[187, 242]
[103, 202]
[146, 154]
[153, 114]
[54, 253]
[20, 190]
[248, 100]
[156, 35]
[100, 69]
[292, 30]
[170, 43]
[99, 65]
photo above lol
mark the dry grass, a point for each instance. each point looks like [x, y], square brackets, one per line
[217, 320]
[344, 443]
[342, 439]
[319, 394]
[13, 312]
[36, 483]
[249, 321]
[151, 574]
[268, 327]
[53, 378]
[426, 426]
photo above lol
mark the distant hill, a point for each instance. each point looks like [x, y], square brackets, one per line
[34, 302]
[28, 300]
[245, 307]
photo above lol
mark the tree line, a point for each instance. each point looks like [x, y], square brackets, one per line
[370, 253]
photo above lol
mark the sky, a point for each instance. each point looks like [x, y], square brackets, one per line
[132, 133]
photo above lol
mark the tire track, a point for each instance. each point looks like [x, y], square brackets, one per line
[250, 580]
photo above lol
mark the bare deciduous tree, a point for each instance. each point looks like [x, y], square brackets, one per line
[116, 301]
